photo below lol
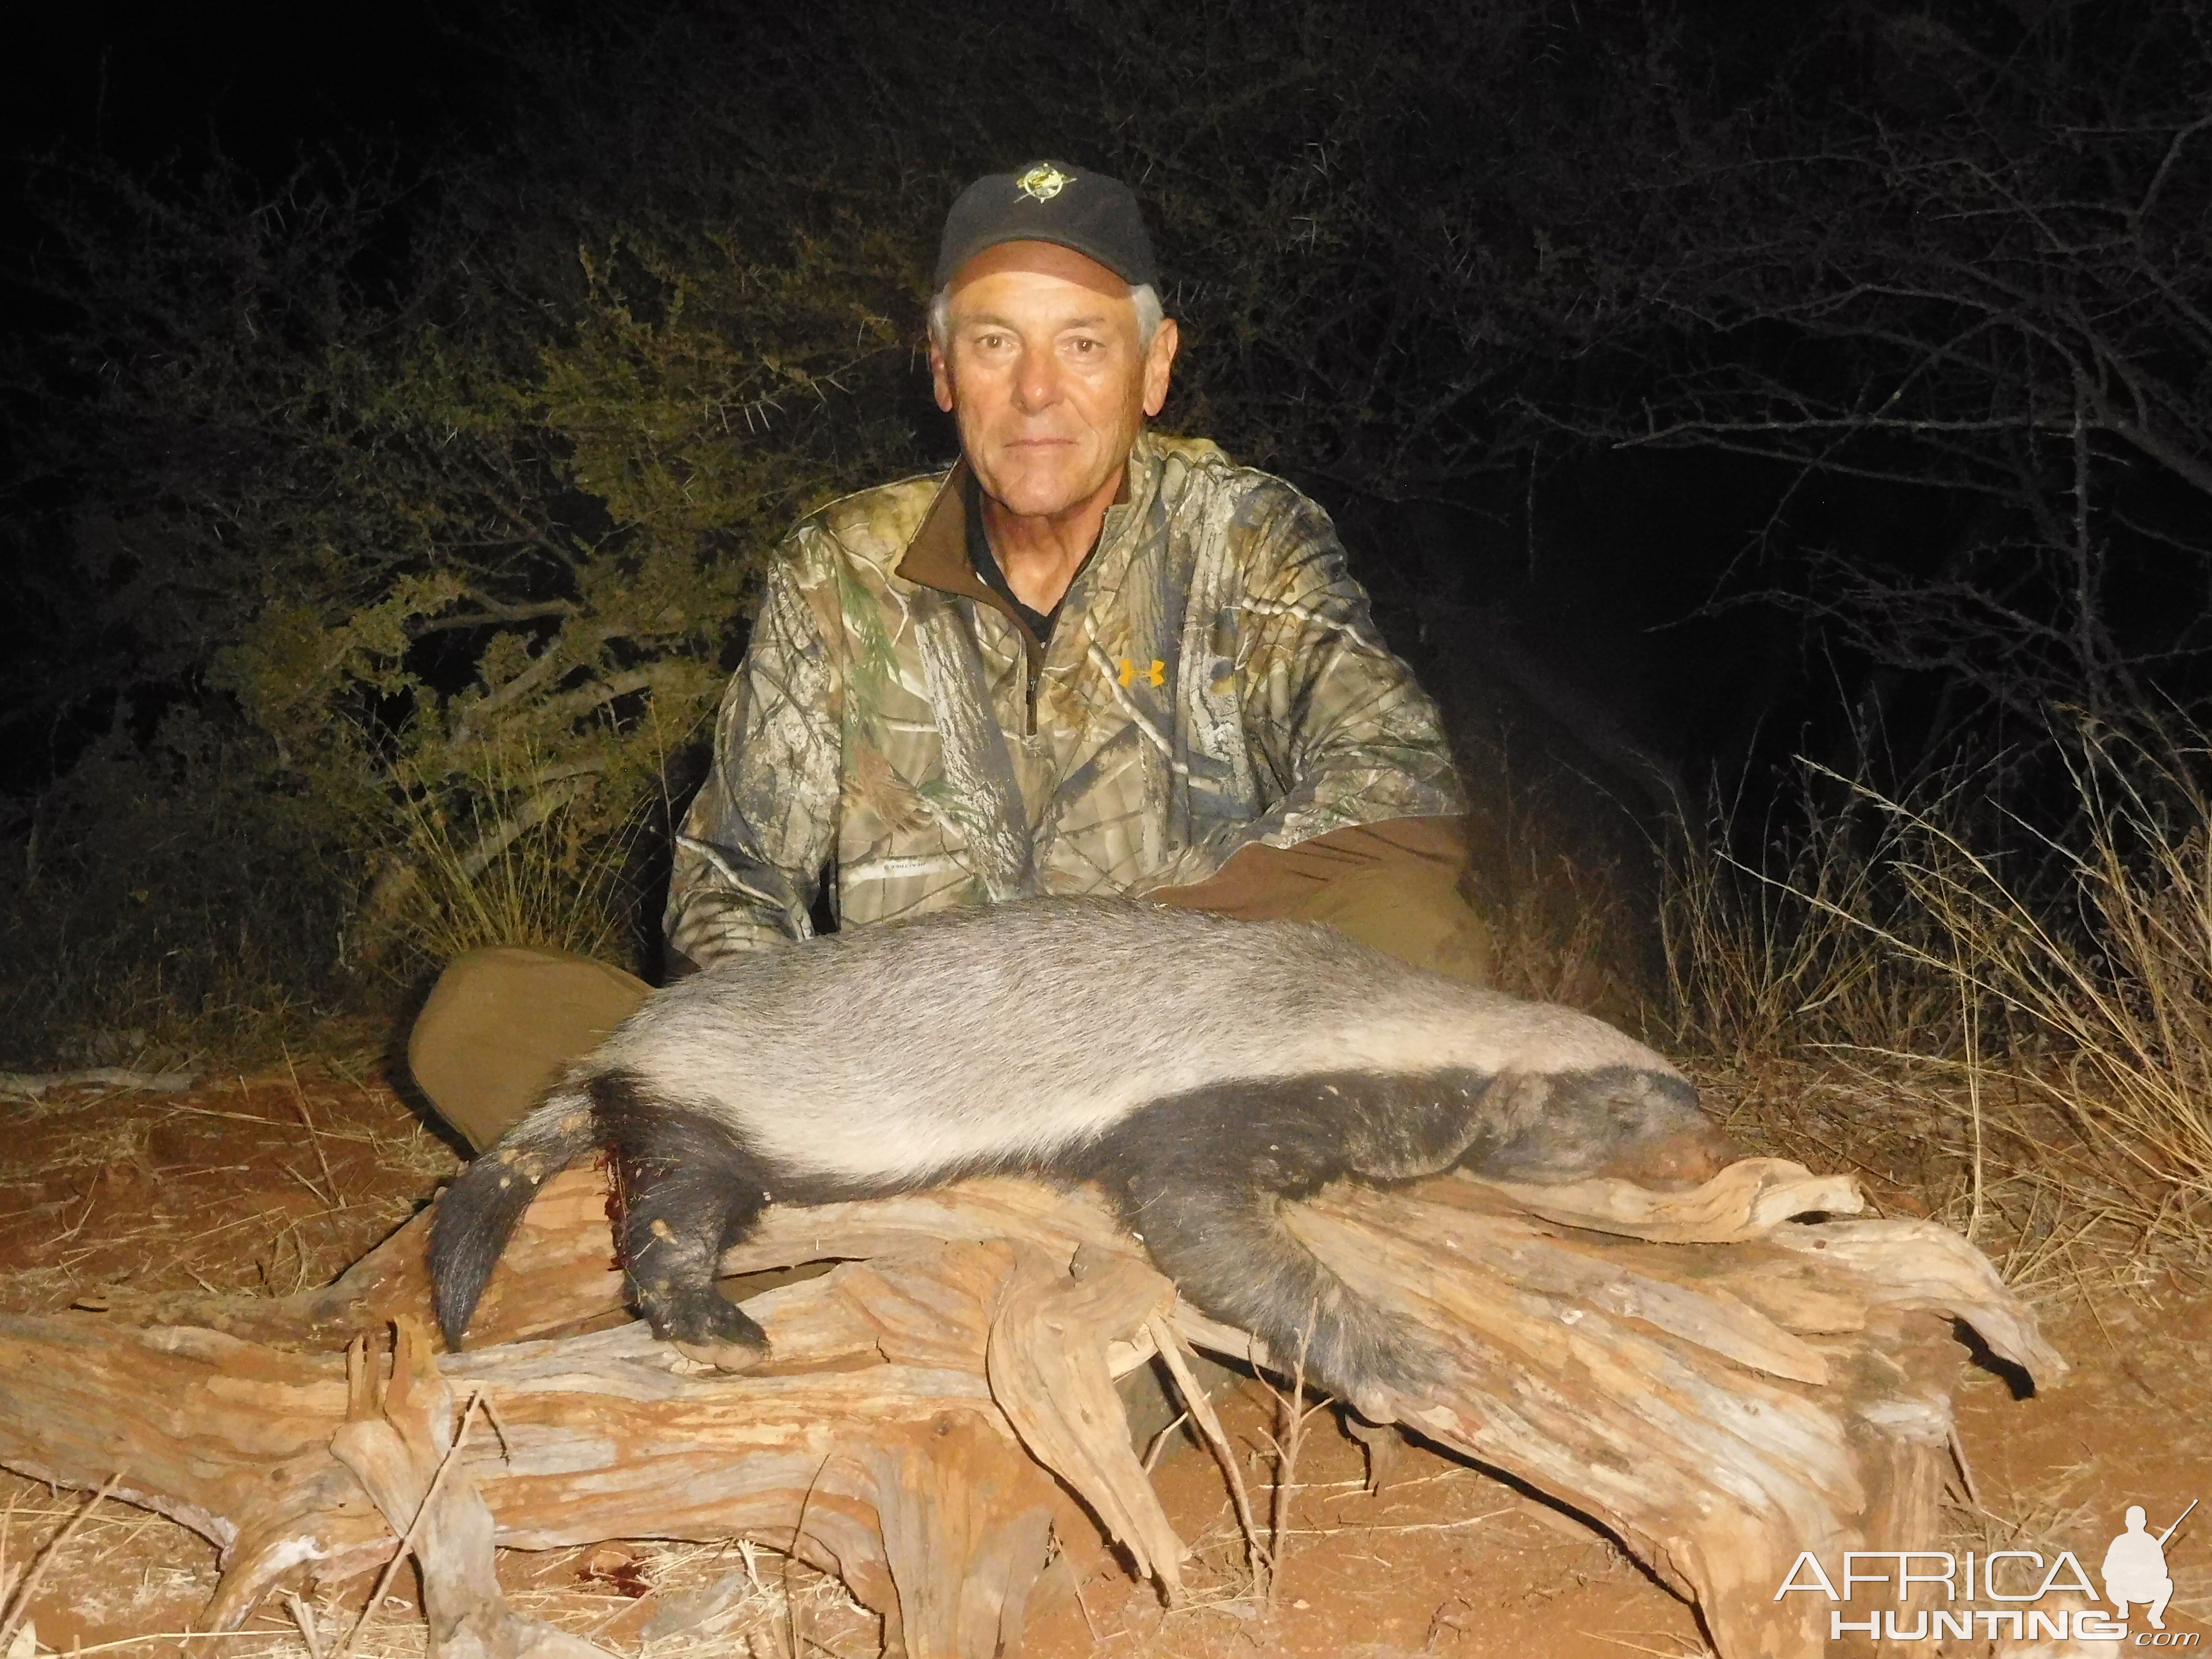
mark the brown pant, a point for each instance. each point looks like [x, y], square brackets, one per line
[501, 1022]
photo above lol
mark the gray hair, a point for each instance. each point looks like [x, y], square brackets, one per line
[1149, 315]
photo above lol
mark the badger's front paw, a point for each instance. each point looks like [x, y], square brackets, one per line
[706, 1326]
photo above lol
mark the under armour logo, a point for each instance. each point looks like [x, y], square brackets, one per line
[1158, 675]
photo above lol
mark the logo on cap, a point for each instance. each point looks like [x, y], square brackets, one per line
[1043, 182]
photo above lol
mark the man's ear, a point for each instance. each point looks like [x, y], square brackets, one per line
[940, 376]
[1159, 362]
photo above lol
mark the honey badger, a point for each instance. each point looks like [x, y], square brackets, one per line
[1199, 1070]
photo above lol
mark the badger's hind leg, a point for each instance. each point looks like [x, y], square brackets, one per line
[1230, 1255]
[1200, 1178]
[687, 1189]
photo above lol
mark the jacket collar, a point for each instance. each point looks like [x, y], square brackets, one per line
[937, 555]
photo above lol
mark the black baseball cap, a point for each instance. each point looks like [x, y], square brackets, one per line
[1050, 202]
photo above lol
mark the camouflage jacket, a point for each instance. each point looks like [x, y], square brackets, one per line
[1214, 678]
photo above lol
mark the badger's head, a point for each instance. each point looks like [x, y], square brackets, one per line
[1641, 1123]
[1572, 1097]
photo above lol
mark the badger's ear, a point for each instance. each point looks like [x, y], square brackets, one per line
[1524, 1102]
[1515, 1137]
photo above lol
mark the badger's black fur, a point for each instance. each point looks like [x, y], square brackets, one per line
[1199, 1070]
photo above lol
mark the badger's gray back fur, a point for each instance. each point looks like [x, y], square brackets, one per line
[1198, 1068]
[1024, 1027]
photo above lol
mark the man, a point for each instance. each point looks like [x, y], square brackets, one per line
[1088, 659]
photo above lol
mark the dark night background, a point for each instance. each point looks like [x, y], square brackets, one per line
[166, 93]
[163, 94]
[1698, 387]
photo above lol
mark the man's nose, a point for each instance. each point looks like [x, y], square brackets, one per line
[1037, 382]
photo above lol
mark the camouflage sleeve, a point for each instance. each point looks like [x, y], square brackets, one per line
[1339, 720]
[749, 856]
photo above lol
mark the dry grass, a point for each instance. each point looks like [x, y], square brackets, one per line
[256, 1189]
[1561, 933]
[2021, 1019]
[2056, 1218]
[1567, 925]
[126, 1570]
[502, 853]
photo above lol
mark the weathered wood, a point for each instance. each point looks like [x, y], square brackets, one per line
[872, 1450]
[1719, 1386]
[1048, 1369]
[399, 1442]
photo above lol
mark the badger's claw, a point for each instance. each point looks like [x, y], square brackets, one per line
[722, 1356]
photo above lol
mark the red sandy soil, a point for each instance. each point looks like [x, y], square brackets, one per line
[268, 1186]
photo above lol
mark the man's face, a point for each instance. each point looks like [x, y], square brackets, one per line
[1040, 366]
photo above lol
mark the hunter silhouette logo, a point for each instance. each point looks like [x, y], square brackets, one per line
[2135, 1566]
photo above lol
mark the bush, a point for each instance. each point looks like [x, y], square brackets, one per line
[389, 605]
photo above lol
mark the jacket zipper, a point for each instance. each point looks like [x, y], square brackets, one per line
[1032, 678]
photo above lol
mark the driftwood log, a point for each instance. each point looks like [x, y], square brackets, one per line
[1719, 1383]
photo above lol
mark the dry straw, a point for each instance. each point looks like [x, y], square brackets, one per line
[2035, 990]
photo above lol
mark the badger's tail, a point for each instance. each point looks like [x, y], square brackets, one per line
[473, 1218]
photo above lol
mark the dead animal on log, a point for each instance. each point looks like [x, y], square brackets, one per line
[1199, 1070]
